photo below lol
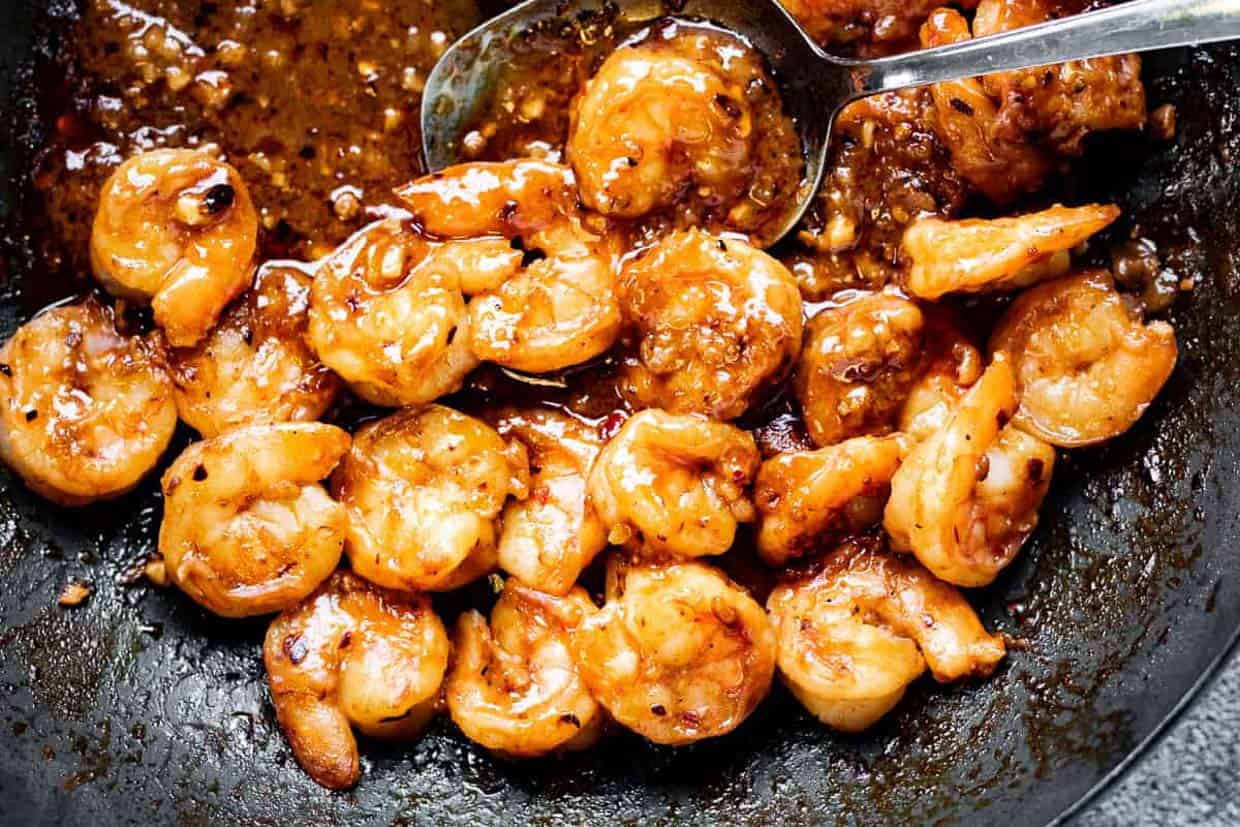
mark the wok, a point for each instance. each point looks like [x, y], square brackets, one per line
[137, 707]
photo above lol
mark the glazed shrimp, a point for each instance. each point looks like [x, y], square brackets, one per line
[1086, 366]
[423, 490]
[998, 164]
[1060, 105]
[717, 323]
[554, 305]
[175, 227]
[353, 655]
[857, 364]
[514, 686]
[547, 538]
[85, 413]
[852, 635]
[653, 124]
[951, 364]
[806, 499]
[873, 23]
[966, 498]
[975, 255]
[674, 485]
[247, 527]
[255, 366]
[678, 653]
[388, 311]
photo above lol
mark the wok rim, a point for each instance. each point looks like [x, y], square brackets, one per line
[1155, 737]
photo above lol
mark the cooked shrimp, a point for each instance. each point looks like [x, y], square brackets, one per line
[547, 538]
[1086, 366]
[717, 324]
[514, 686]
[857, 364]
[653, 124]
[85, 413]
[679, 652]
[1060, 105]
[853, 635]
[983, 152]
[175, 227]
[424, 489]
[951, 364]
[976, 255]
[558, 309]
[966, 499]
[388, 311]
[808, 499]
[353, 655]
[255, 366]
[877, 25]
[674, 485]
[247, 527]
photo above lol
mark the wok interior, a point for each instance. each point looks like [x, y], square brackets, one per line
[140, 706]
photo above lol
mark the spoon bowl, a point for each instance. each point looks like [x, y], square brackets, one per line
[814, 85]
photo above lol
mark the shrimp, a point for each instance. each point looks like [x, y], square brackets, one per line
[678, 653]
[247, 527]
[388, 312]
[85, 413]
[1060, 105]
[951, 364]
[653, 124]
[353, 655]
[547, 538]
[423, 490]
[852, 634]
[878, 25]
[255, 366]
[674, 485]
[717, 322]
[998, 164]
[976, 255]
[1086, 366]
[966, 499]
[515, 687]
[175, 227]
[554, 305]
[857, 364]
[806, 499]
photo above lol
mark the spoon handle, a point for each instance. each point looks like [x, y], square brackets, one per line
[1135, 26]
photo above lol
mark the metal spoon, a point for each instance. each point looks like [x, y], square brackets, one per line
[815, 85]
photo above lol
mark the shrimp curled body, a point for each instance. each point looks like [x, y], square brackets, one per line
[175, 227]
[552, 302]
[247, 527]
[807, 498]
[717, 323]
[387, 312]
[550, 536]
[353, 655]
[1086, 367]
[85, 413]
[678, 653]
[853, 635]
[514, 685]
[255, 366]
[424, 489]
[674, 485]
[967, 497]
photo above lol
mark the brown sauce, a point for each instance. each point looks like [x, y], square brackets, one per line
[316, 105]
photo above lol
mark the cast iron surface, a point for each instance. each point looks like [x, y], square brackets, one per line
[137, 707]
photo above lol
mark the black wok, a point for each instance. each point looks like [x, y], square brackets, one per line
[138, 708]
